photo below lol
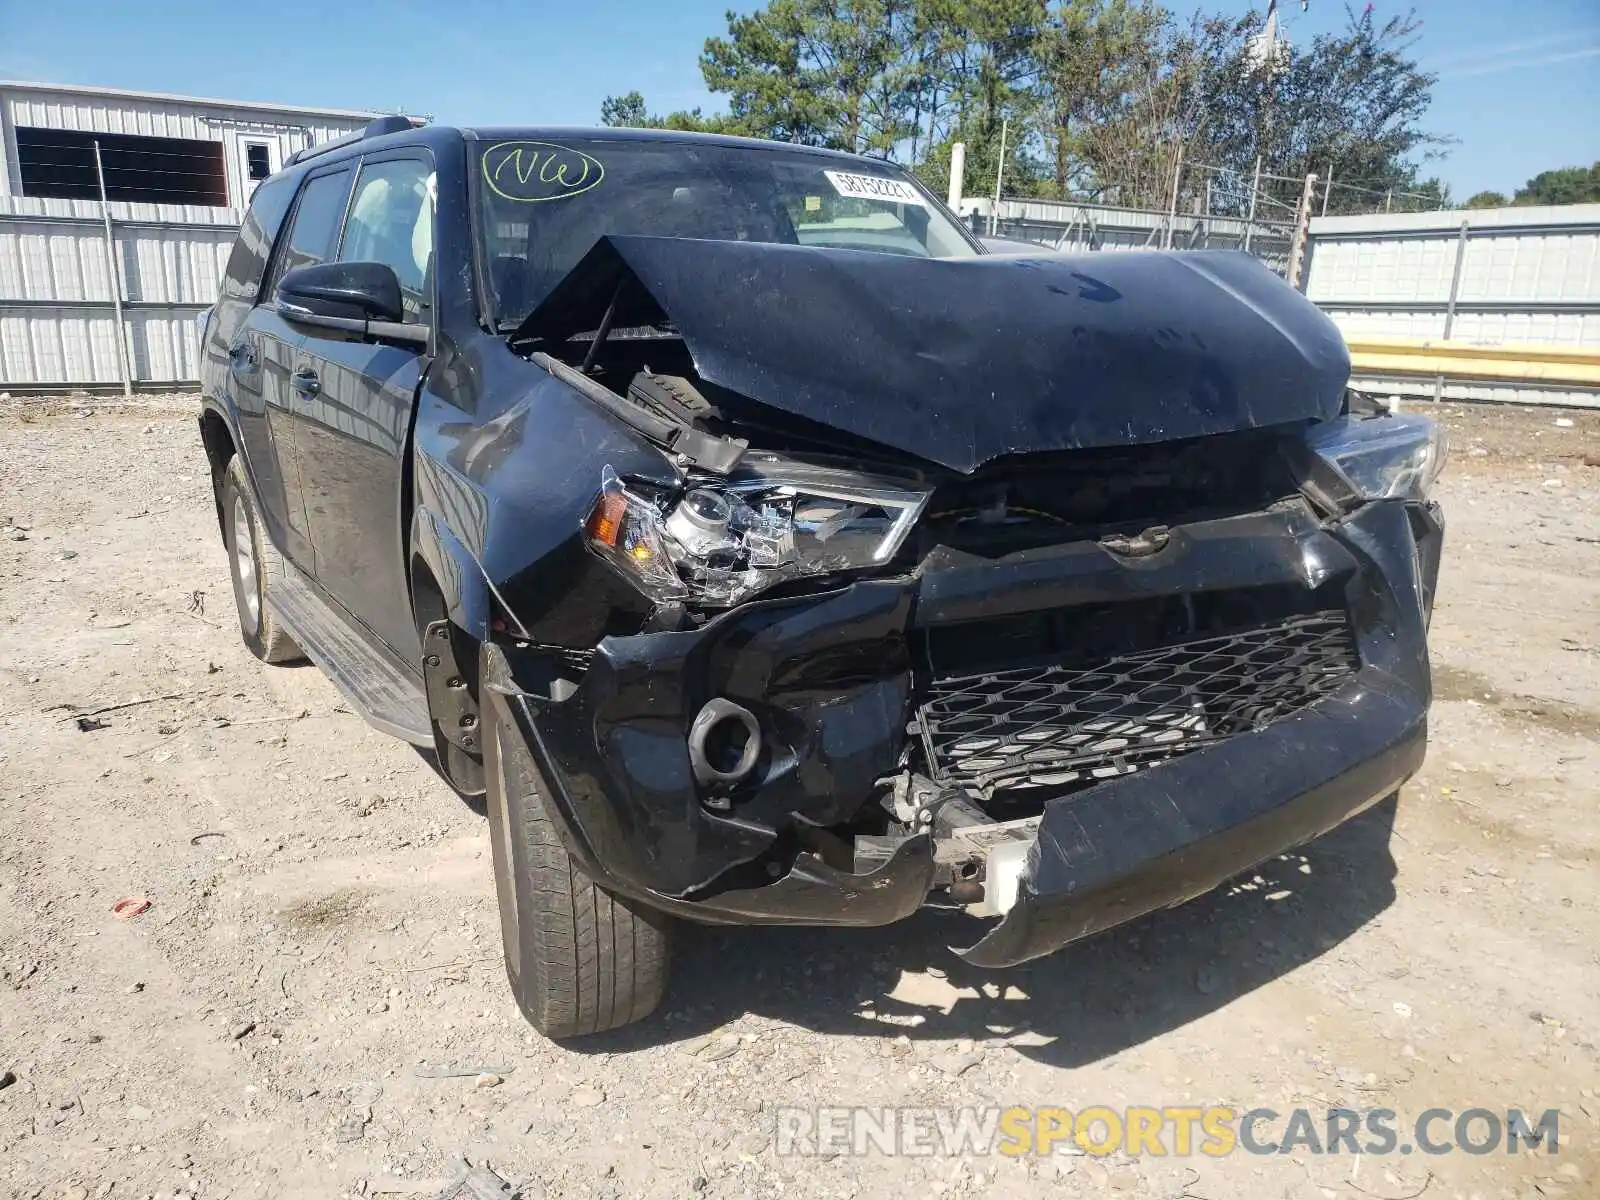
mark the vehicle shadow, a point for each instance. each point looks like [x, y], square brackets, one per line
[1081, 1005]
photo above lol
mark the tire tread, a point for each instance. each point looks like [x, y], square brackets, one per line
[271, 643]
[591, 961]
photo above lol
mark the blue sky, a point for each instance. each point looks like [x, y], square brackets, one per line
[1519, 82]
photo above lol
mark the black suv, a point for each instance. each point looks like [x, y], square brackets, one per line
[769, 553]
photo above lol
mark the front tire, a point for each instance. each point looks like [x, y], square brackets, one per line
[580, 959]
[253, 563]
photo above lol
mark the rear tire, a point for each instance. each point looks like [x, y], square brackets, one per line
[253, 563]
[580, 959]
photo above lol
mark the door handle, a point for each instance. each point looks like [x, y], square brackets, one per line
[305, 382]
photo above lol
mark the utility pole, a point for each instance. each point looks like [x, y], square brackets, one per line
[1302, 232]
[1255, 190]
[999, 177]
[1327, 189]
[1265, 57]
[958, 174]
[114, 270]
[1172, 209]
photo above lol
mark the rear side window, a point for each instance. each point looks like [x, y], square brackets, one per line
[315, 230]
[248, 262]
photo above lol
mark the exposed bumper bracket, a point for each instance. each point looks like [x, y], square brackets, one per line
[1161, 837]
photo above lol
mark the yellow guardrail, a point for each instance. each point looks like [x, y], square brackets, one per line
[1578, 366]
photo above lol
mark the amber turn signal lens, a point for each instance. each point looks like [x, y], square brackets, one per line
[605, 519]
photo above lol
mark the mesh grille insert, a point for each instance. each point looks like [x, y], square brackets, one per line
[1064, 728]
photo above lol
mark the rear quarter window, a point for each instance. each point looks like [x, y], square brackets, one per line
[248, 262]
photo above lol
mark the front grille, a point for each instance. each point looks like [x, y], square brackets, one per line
[1066, 727]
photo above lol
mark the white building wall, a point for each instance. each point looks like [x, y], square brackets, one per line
[285, 129]
[57, 320]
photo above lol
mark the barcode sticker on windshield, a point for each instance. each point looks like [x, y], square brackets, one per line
[874, 187]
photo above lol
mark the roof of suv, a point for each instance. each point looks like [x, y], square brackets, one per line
[616, 134]
[386, 132]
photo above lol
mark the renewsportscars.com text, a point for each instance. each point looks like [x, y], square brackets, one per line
[1175, 1131]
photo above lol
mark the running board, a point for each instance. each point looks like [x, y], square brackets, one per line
[387, 698]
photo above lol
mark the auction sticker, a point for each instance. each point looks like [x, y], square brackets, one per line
[874, 187]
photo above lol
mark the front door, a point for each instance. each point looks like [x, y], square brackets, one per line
[269, 353]
[353, 415]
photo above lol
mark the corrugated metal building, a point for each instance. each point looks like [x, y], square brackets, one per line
[177, 173]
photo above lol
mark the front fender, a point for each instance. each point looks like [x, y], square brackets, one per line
[462, 586]
[500, 505]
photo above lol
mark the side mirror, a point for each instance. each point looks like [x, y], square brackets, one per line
[359, 291]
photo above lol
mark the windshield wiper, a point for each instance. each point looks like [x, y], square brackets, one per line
[690, 445]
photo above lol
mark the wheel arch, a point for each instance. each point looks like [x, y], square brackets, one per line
[221, 445]
[450, 604]
[446, 581]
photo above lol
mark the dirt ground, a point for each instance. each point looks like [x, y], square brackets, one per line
[320, 961]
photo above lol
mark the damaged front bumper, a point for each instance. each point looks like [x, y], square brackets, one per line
[839, 688]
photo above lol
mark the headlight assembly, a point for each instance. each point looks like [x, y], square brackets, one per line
[721, 542]
[1382, 458]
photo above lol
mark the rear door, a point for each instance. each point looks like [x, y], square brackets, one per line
[269, 351]
[353, 413]
[236, 362]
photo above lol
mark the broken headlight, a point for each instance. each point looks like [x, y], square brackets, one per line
[1382, 458]
[719, 543]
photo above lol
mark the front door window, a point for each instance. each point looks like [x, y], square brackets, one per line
[391, 222]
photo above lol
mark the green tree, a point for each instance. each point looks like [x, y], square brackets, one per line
[1428, 195]
[1096, 98]
[629, 111]
[1351, 103]
[625, 111]
[818, 72]
[1486, 200]
[984, 70]
[1096, 57]
[1177, 80]
[1567, 185]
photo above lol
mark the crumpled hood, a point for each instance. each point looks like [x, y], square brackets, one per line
[960, 361]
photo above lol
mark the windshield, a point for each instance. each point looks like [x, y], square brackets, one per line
[544, 204]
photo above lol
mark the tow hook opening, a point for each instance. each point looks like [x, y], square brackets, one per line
[724, 743]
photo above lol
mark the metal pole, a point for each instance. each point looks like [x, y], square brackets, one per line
[1327, 189]
[1302, 229]
[958, 174]
[999, 176]
[1255, 190]
[1172, 212]
[1450, 308]
[116, 275]
[1388, 199]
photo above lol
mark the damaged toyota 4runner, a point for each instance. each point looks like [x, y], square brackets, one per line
[767, 552]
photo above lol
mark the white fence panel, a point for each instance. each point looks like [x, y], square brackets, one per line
[1494, 277]
[58, 346]
[57, 315]
[174, 265]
